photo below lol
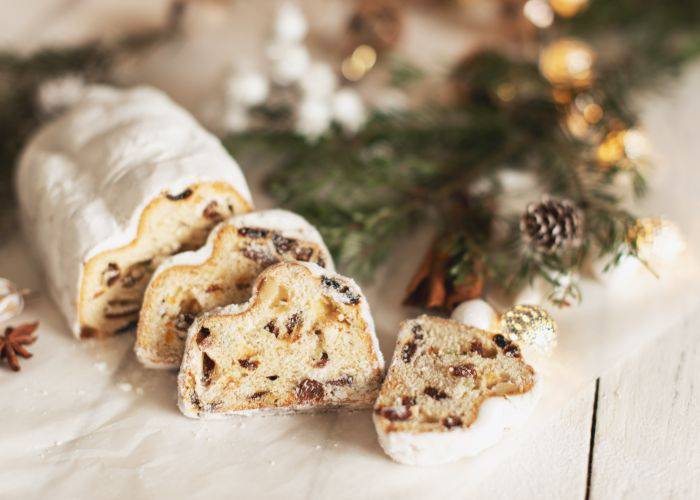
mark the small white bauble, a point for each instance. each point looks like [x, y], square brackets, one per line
[313, 118]
[247, 89]
[289, 62]
[58, 94]
[637, 146]
[320, 81]
[235, 119]
[11, 300]
[476, 313]
[290, 24]
[349, 110]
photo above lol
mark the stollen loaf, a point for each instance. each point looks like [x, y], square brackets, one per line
[109, 188]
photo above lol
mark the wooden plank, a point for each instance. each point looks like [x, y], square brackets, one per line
[648, 437]
[556, 466]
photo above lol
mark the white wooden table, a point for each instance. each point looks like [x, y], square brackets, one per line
[633, 433]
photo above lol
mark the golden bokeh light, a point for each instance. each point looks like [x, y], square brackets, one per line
[567, 63]
[568, 8]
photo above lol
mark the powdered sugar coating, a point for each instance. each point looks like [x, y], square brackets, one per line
[496, 416]
[85, 178]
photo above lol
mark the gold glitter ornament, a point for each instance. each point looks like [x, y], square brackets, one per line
[612, 150]
[530, 326]
[567, 62]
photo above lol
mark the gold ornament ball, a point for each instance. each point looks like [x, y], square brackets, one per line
[355, 66]
[612, 150]
[530, 326]
[568, 8]
[567, 63]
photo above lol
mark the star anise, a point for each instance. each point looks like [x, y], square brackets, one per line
[12, 344]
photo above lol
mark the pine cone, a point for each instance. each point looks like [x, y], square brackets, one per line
[552, 225]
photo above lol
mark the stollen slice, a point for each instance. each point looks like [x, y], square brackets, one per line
[221, 272]
[305, 341]
[111, 187]
[450, 392]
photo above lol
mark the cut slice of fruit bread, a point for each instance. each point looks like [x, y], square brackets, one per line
[221, 272]
[450, 392]
[305, 341]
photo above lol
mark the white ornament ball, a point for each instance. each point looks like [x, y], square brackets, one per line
[313, 118]
[476, 313]
[247, 89]
[320, 81]
[11, 300]
[57, 94]
[290, 23]
[289, 63]
[349, 110]
[235, 119]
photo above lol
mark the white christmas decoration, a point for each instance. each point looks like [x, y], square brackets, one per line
[659, 242]
[636, 145]
[247, 88]
[57, 94]
[11, 300]
[476, 313]
[290, 24]
[539, 13]
[235, 118]
[313, 118]
[289, 62]
[349, 110]
[319, 82]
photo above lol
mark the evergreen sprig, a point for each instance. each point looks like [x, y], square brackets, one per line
[420, 166]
